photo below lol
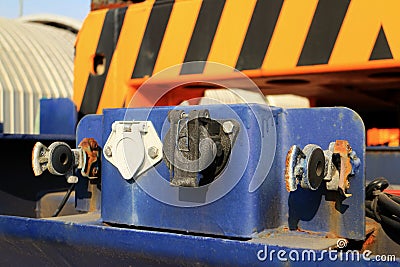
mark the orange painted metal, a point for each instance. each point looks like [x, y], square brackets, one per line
[349, 73]
[379, 137]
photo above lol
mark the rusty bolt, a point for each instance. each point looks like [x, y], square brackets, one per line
[153, 152]
[108, 151]
[228, 127]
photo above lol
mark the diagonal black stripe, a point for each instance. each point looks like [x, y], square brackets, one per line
[152, 39]
[324, 29]
[107, 42]
[203, 35]
[258, 37]
[381, 48]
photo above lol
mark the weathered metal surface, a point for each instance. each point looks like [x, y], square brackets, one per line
[196, 144]
[291, 182]
[378, 241]
[60, 159]
[343, 148]
[324, 209]
[83, 240]
[100, 4]
[310, 166]
[91, 152]
[268, 207]
[305, 167]
[39, 158]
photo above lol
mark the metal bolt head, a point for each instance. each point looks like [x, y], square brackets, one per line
[72, 179]
[108, 151]
[228, 127]
[95, 171]
[153, 152]
[144, 128]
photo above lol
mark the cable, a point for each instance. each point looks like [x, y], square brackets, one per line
[387, 204]
[391, 227]
[64, 201]
[383, 208]
[395, 198]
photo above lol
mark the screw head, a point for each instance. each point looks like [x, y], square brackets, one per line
[108, 151]
[153, 152]
[95, 171]
[72, 179]
[228, 127]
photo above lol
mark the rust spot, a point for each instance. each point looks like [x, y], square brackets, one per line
[371, 229]
[285, 231]
[92, 154]
[308, 232]
[288, 169]
[278, 231]
[326, 235]
[343, 148]
[369, 241]
[331, 235]
[115, 4]
[371, 226]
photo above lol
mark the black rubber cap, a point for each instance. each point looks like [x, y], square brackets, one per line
[62, 159]
[316, 168]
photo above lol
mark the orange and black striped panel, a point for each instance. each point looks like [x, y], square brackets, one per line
[269, 36]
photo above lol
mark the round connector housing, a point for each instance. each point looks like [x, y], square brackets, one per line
[61, 158]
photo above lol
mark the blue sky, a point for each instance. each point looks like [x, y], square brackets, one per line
[77, 9]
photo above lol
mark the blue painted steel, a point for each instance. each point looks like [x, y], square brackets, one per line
[77, 240]
[322, 210]
[241, 213]
[26, 241]
[58, 116]
[383, 162]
